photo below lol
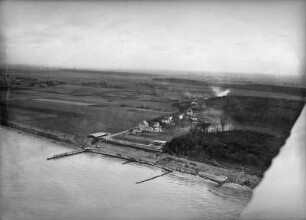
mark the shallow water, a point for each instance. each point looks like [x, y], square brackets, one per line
[90, 186]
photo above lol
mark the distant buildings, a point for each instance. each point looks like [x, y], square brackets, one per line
[144, 126]
[218, 127]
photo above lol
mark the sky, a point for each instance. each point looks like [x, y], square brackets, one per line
[218, 36]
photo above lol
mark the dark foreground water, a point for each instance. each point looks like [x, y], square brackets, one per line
[89, 186]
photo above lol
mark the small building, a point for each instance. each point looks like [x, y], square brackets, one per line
[157, 129]
[167, 120]
[159, 142]
[155, 124]
[98, 135]
[194, 119]
[194, 104]
[180, 117]
[218, 128]
[189, 112]
[142, 125]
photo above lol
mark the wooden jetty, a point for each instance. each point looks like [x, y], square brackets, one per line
[66, 154]
[154, 177]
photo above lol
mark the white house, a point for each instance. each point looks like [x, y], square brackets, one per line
[143, 126]
[167, 120]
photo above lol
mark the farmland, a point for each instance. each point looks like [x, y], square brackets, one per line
[78, 102]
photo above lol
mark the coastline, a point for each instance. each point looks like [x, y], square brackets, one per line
[235, 179]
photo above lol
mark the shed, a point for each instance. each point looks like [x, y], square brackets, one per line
[98, 134]
[159, 142]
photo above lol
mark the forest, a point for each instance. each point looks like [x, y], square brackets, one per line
[251, 148]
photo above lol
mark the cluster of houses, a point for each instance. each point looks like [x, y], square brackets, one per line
[20, 81]
[219, 127]
[154, 126]
[144, 126]
[188, 115]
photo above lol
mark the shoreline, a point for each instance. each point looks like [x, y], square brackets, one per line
[160, 160]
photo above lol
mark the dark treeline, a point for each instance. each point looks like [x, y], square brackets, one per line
[268, 112]
[241, 147]
[298, 91]
[238, 147]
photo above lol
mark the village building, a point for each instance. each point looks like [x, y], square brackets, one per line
[189, 112]
[159, 142]
[218, 128]
[155, 124]
[194, 104]
[180, 117]
[94, 138]
[98, 135]
[143, 126]
[167, 120]
[156, 127]
[194, 120]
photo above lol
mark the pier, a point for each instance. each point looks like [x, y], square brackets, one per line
[154, 177]
[66, 154]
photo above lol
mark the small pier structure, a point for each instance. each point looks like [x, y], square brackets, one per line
[70, 153]
[154, 177]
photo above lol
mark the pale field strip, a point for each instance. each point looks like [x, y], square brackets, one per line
[66, 102]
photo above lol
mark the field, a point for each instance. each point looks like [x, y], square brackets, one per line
[79, 102]
[80, 105]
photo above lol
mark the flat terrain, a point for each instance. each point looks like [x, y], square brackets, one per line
[84, 102]
[78, 102]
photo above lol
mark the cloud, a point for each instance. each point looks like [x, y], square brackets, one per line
[198, 36]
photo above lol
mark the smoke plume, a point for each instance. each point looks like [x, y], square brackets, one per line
[219, 92]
